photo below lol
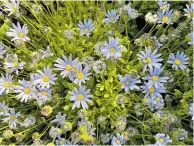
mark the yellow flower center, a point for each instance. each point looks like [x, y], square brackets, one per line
[157, 99]
[80, 75]
[44, 93]
[177, 61]
[6, 84]
[86, 30]
[80, 97]
[161, 139]
[127, 83]
[112, 18]
[15, 64]
[68, 67]
[112, 50]
[118, 141]
[12, 117]
[165, 18]
[20, 34]
[126, 136]
[164, 7]
[151, 89]
[45, 78]
[154, 78]
[26, 90]
[149, 60]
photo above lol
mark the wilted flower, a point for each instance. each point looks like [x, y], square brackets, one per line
[69, 33]
[47, 53]
[14, 65]
[46, 110]
[105, 138]
[191, 110]
[132, 130]
[7, 134]
[28, 121]
[99, 66]
[55, 132]
[151, 18]
[87, 61]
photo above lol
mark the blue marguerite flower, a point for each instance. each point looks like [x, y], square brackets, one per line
[81, 75]
[150, 59]
[12, 118]
[45, 79]
[80, 96]
[191, 36]
[117, 140]
[59, 118]
[189, 10]
[154, 78]
[26, 91]
[153, 91]
[112, 49]
[132, 13]
[128, 82]
[163, 5]
[86, 28]
[111, 16]
[178, 61]
[165, 17]
[66, 66]
[161, 139]
[155, 103]
[2, 51]
[3, 108]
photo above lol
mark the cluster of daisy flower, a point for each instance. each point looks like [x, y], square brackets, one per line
[82, 73]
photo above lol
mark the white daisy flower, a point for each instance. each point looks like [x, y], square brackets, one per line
[5, 83]
[12, 6]
[18, 32]
[26, 91]
[45, 79]
[13, 64]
